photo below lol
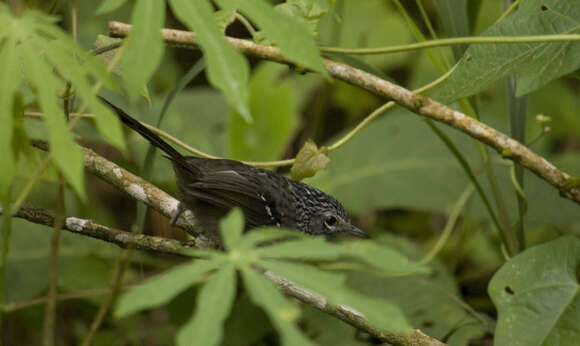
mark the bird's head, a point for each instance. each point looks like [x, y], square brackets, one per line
[329, 218]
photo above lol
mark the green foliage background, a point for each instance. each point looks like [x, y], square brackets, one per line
[396, 176]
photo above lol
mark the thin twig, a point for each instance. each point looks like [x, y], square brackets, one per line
[512, 8]
[444, 42]
[96, 292]
[246, 23]
[31, 182]
[50, 312]
[449, 226]
[120, 270]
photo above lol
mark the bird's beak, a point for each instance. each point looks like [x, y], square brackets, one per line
[356, 231]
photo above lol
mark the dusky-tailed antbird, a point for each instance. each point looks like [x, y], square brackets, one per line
[211, 187]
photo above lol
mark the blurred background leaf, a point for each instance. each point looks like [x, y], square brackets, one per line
[535, 63]
[536, 294]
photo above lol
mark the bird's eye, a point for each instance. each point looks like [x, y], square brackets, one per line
[330, 221]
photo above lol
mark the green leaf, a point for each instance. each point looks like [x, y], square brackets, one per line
[84, 273]
[309, 160]
[227, 69]
[325, 329]
[413, 169]
[282, 313]
[268, 234]
[380, 313]
[308, 249]
[453, 14]
[292, 36]
[144, 45]
[108, 6]
[412, 293]
[162, 288]
[247, 324]
[29, 258]
[308, 11]
[273, 107]
[381, 257]
[370, 23]
[65, 153]
[304, 275]
[537, 295]
[224, 18]
[231, 228]
[103, 41]
[60, 55]
[9, 83]
[214, 302]
[410, 168]
[535, 63]
[91, 64]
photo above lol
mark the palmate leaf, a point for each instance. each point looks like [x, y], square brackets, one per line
[383, 258]
[537, 295]
[283, 314]
[62, 50]
[381, 314]
[308, 249]
[535, 63]
[268, 235]
[8, 85]
[164, 287]
[66, 155]
[60, 56]
[250, 254]
[227, 69]
[231, 228]
[45, 54]
[214, 302]
[367, 252]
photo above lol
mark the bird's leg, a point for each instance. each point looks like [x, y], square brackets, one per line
[180, 209]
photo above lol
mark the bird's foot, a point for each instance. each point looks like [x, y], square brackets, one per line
[180, 209]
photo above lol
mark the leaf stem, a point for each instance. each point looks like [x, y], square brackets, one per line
[50, 312]
[449, 226]
[30, 184]
[116, 288]
[246, 23]
[507, 12]
[453, 41]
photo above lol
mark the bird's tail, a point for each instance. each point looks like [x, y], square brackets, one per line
[149, 135]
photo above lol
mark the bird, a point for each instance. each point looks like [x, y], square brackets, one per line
[210, 188]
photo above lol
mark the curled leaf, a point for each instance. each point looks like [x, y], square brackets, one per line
[310, 159]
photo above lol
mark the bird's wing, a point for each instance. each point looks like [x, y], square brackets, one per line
[228, 188]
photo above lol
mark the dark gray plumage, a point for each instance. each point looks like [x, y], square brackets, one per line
[210, 188]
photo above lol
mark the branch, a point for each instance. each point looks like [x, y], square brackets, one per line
[170, 246]
[147, 193]
[503, 144]
[417, 338]
[90, 228]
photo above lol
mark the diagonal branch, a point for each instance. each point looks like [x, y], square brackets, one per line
[170, 246]
[162, 202]
[503, 144]
[90, 228]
